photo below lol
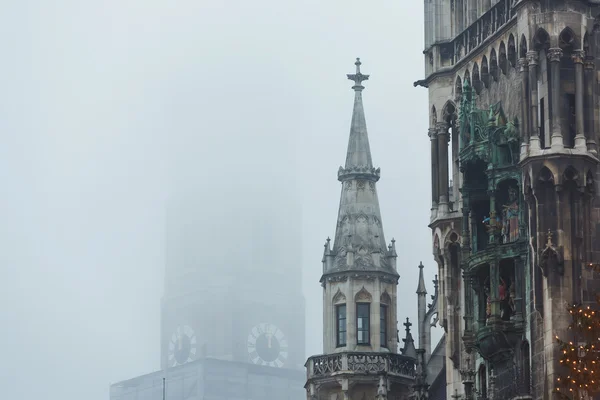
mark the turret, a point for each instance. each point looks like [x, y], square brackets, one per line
[424, 337]
[360, 286]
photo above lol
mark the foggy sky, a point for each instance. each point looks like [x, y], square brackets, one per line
[106, 106]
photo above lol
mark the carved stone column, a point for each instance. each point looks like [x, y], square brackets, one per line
[474, 242]
[493, 218]
[434, 166]
[442, 133]
[580, 143]
[556, 140]
[524, 69]
[590, 125]
[468, 317]
[534, 126]
[518, 292]
[466, 229]
[494, 291]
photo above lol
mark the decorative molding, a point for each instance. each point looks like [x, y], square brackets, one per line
[339, 297]
[532, 58]
[363, 296]
[554, 54]
[551, 257]
[523, 64]
[589, 63]
[578, 56]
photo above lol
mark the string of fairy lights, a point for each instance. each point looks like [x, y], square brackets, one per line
[580, 356]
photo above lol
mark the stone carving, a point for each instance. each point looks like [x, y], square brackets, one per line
[363, 363]
[532, 58]
[522, 64]
[382, 387]
[554, 54]
[510, 217]
[360, 185]
[337, 278]
[327, 364]
[551, 257]
[363, 258]
[339, 297]
[578, 56]
[363, 295]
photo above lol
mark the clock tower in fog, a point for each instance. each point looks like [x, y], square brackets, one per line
[229, 270]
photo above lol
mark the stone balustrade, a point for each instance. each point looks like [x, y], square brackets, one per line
[478, 32]
[360, 363]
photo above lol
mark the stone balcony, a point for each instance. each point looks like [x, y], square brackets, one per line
[330, 368]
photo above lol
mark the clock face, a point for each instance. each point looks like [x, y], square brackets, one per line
[182, 347]
[267, 345]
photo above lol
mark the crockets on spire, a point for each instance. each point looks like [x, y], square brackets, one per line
[358, 158]
[359, 243]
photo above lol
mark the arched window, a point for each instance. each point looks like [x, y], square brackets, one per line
[363, 317]
[483, 381]
[339, 301]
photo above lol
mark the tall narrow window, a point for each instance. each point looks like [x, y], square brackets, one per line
[383, 325]
[341, 324]
[362, 323]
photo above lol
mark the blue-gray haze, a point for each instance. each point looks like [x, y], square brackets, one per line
[108, 106]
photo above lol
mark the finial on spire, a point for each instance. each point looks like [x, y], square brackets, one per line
[407, 324]
[358, 77]
[421, 289]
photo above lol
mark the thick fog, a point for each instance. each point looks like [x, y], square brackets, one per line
[144, 136]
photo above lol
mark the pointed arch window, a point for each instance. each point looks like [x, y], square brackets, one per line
[362, 323]
[340, 316]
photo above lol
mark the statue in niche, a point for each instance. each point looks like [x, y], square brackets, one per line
[510, 217]
[488, 304]
[503, 300]
[511, 300]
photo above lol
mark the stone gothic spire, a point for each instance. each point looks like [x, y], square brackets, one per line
[421, 290]
[359, 242]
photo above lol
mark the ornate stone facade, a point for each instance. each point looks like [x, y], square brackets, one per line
[512, 84]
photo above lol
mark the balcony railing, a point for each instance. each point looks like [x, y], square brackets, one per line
[360, 363]
[475, 34]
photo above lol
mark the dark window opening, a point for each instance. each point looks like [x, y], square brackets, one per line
[341, 325]
[362, 323]
[571, 128]
[383, 325]
[542, 128]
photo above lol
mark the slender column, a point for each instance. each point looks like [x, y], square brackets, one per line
[466, 229]
[434, 167]
[495, 290]
[534, 131]
[468, 317]
[580, 143]
[557, 140]
[474, 243]
[443, 161]
[523, 68]
[518, 292]
[590, 128]
[493, 217]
